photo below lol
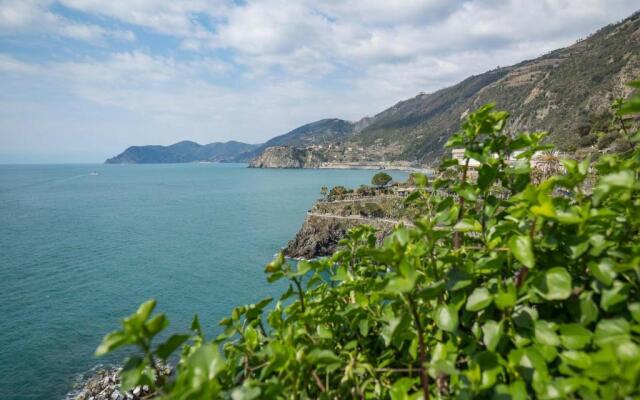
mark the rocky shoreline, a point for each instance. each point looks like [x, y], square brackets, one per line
[103, 383]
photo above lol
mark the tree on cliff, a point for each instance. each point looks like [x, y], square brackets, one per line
[381, 179]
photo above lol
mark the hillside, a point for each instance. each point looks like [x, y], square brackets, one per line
[181, 152]
[323, 131]
[567, 92]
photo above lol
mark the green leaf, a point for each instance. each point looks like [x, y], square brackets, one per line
[545, 208]
[145, 309]
[165, 349]
[634, 309]
[525, 317]
[195, 326]
[623, 179]
[604, 271]
[522, 250]
[479, 299]
[246, 392]
[400, 389]
[491, 334]
[576, 359]
[389, 329]
[531, 362]
[320, 356]
[515, 391]
[627, 351]
[506, 298]
[136, 371]
[113, 341]
[467, 192]
[611, 331]
[554, 284]
[574, 336]
[156, 324]
[324, 332]
[545, 334]
[419, 179]
[588, 309]
[400, 284]
[615, 296]
[458, 279]
[486, 176]
[447, 318]
[467, 225]
[363, 327]
[303, 267]
[490, 368]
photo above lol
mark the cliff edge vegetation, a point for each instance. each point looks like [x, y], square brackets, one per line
[329, 220]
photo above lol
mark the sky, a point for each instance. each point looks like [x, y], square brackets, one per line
[81, 80]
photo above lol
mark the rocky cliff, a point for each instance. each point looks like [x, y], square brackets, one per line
[320, 234]
[287, 157]
[328, 222]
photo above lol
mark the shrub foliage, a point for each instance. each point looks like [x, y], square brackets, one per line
[532, 294]
[381, 179]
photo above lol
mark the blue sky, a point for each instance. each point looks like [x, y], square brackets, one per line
[80, 80]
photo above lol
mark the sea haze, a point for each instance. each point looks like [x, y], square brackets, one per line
[82, 245]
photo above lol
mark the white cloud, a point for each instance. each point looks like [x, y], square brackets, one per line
[34, 17]
[180, 18]
[365, 34]
[12, 65]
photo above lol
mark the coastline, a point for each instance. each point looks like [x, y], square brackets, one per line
[377, 166]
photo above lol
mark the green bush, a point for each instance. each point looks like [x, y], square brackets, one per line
[381, 179]
[587, 140]
[337, 192]
[607, 139]
[535, 294]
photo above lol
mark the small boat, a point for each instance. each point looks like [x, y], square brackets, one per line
[93, 173]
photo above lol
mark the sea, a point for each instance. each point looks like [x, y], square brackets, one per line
[81, 246]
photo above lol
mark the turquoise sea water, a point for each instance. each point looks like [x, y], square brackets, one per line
[82, 245]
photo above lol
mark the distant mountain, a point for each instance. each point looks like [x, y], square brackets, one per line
[181, 152]
[319, 132]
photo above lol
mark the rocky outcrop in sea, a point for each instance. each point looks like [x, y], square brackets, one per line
[287, 157]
